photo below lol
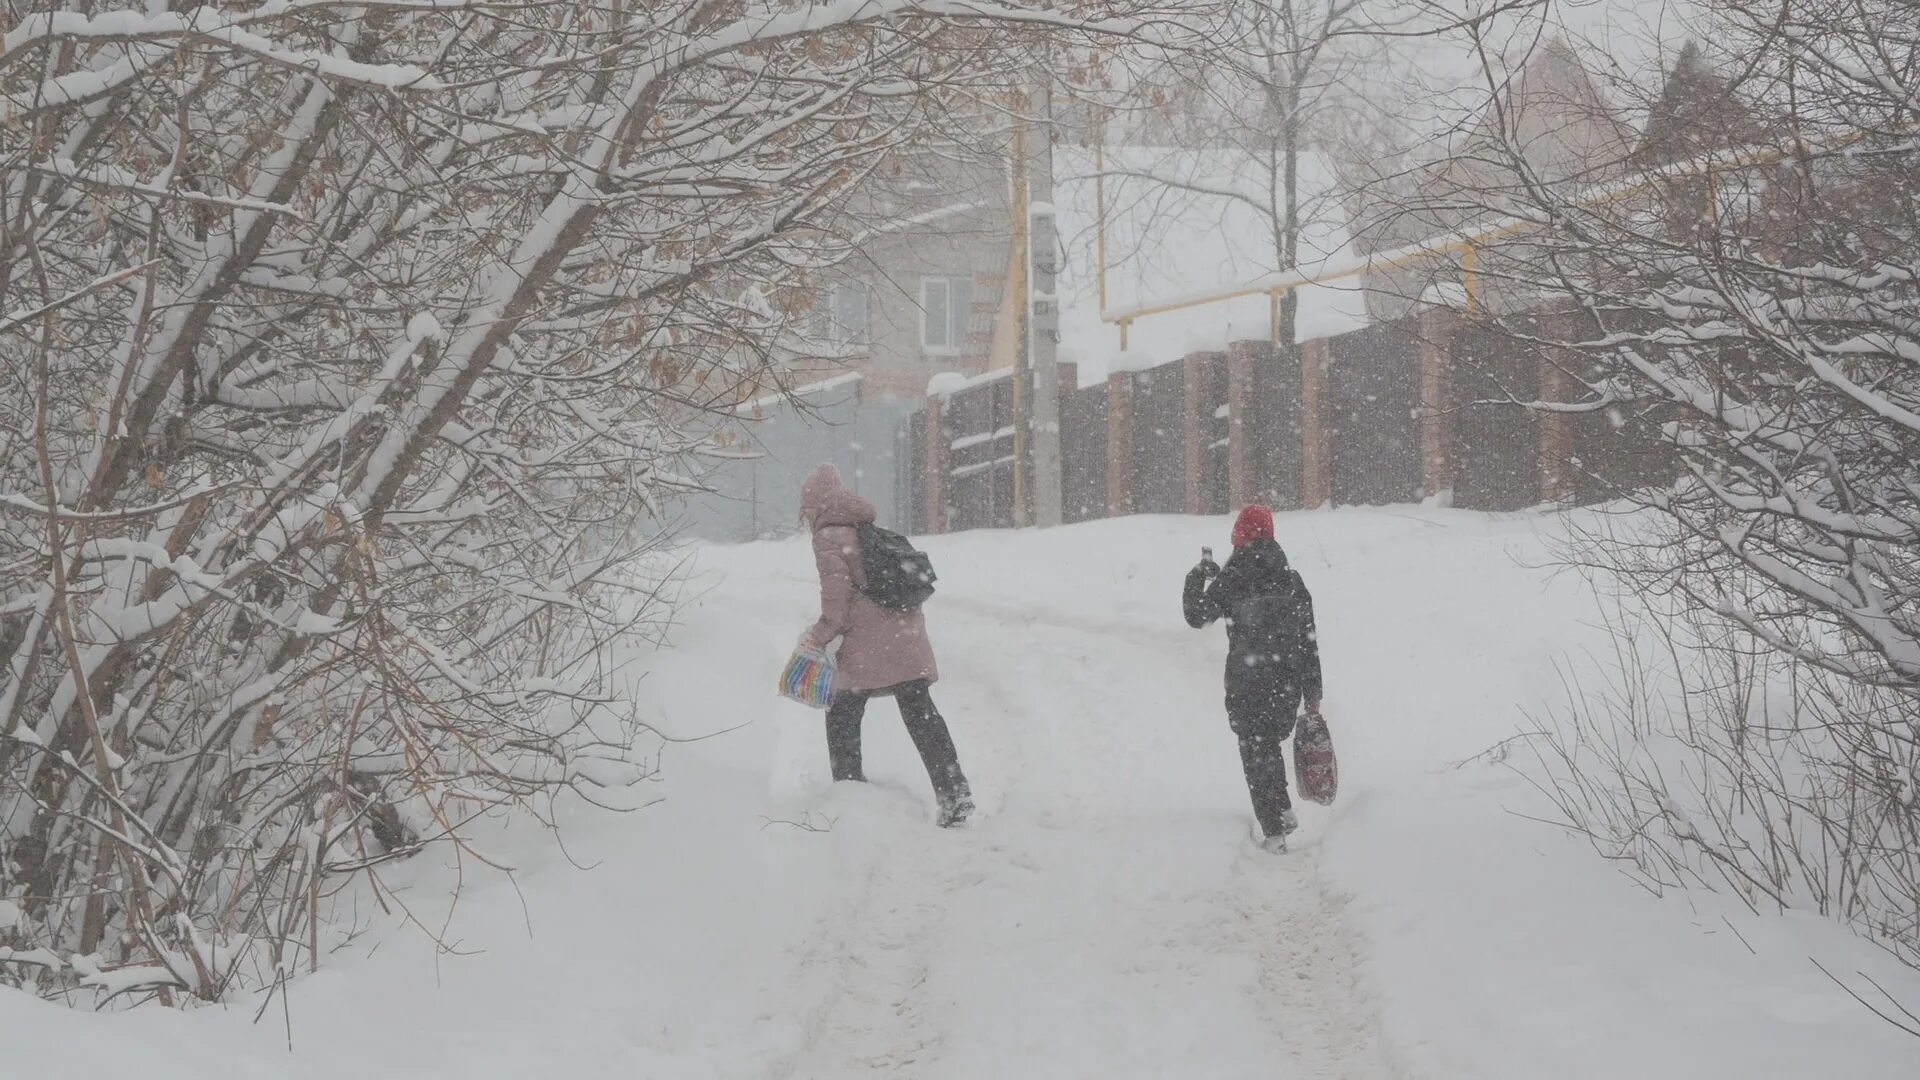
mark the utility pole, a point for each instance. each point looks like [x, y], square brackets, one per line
[1019, 288]
[1043, 317]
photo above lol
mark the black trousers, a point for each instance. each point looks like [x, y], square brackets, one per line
[1262, 718]
[924, 724]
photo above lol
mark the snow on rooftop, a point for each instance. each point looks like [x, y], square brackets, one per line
[1178, 223]
[768, 401]
[1167, 236]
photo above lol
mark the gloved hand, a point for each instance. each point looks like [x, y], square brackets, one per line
[1207, 568]
[1313, 708]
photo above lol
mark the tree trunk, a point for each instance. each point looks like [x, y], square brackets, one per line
[1286, 326]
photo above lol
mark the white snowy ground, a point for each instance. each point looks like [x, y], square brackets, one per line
[1107, 916]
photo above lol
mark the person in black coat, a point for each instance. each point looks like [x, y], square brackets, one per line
[1273, 656]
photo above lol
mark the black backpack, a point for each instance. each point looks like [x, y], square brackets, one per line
[899, 576]
[1270, 627]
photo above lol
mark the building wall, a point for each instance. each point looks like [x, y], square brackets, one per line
[754, 485]
[952, 222]
[943, 220]
[1554, 116]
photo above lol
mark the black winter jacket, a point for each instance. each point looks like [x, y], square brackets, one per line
[1272, 644]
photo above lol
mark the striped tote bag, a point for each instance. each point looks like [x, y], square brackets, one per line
[808, 678]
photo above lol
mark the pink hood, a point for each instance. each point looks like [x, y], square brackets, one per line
[825, 500]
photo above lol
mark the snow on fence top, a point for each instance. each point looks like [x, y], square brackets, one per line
[1137, 360]
[948, 383]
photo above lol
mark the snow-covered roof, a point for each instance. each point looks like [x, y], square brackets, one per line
[1182, 221]
[768, 401]
[1179, 223]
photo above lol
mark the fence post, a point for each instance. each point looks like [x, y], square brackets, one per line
[1119, 443]
[1239, 431]
[936, 465]
[1438, 327]
[1316, 461]
[1557, 428]
[1194, 425]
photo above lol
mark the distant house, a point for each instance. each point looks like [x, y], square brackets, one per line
[1779, 196]
[1550, 125]
[922, 291]
[926, 292]
[919, 296]
[1696, 113]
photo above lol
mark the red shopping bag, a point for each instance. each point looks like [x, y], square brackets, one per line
[1316, 773]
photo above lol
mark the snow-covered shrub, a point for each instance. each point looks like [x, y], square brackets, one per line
[1734, 289]
[1741, 287]
[1699, 757]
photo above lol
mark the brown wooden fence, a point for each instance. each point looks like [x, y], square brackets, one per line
[1273, 431]
[1083, 449]
[1372, 415]
[1496, 461]
[1429, 406]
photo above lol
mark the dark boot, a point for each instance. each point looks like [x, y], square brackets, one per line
[954, 811]
[843, 735]
[935, 743]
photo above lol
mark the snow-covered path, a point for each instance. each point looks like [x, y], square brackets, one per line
[1107, 916]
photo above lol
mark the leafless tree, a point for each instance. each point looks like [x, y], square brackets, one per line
[1228, 137]
[345, 348]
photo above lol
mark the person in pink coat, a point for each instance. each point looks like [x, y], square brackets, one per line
[882, 653]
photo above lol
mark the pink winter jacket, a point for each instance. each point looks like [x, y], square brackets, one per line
[879, 647]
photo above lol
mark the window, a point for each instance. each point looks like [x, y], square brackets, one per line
[841, 316]
[946, 307]
[1737, 197]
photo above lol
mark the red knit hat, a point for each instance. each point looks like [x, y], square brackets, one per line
[1254, 523]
